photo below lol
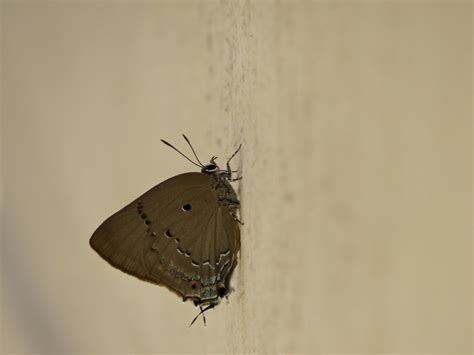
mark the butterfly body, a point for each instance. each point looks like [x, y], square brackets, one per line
[183, 234]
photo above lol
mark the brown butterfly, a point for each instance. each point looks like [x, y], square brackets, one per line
[183, 234]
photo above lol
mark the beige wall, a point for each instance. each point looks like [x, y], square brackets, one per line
[355, 118]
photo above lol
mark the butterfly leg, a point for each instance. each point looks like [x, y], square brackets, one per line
[233, 210]
[234, 216]
[230, 201]
[237, 178]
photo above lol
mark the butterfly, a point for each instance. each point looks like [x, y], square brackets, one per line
[183, 234]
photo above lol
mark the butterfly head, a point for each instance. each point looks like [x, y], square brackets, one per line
[211, 168]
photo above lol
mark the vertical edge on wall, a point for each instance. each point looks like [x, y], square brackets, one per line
[2, 180]
[231, 49]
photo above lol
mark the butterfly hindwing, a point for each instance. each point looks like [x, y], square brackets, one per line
[177, 234]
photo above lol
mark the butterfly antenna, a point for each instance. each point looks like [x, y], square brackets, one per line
[230, 171]
[202, 312]
[187, 140]
[233, 155]
[169, 145]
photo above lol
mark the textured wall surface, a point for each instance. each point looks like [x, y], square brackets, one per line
[355, 120]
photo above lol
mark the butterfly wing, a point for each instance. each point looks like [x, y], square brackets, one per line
[177, 234]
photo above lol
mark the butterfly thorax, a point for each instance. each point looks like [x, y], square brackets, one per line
[225, 191]
[226, 194]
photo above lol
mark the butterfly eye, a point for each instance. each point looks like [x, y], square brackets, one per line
[187, 207]
[209, 168]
